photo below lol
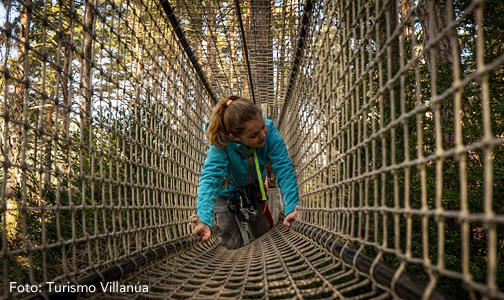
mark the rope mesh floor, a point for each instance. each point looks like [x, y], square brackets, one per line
[283, 264]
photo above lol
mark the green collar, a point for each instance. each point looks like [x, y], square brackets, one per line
[250, 151]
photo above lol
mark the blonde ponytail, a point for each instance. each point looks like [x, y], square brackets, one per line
[230, 118]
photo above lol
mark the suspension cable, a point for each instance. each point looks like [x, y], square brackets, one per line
[187, 47]
[242, 31]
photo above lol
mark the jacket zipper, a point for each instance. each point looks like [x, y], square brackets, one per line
[250, 172]
[251, 163]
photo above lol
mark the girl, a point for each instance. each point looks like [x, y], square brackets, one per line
[241, 144]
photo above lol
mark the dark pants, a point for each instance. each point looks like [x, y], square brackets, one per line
[230, 235]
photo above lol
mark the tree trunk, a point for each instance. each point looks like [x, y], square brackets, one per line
[437, 19]
[231, 60]
[433, 22]
[405, 7]
[198, 51]
[433, 16]
[87, 64]
[47, 163]
[14, 109]
[211, 50]
[246, 25]
[139, 58]
[391, 21]
[68, 54]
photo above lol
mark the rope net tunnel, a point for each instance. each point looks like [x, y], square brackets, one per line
[391, 111]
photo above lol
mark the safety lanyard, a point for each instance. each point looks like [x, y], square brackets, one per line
[259, 177]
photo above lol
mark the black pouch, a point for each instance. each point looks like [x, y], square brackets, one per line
[244, 202]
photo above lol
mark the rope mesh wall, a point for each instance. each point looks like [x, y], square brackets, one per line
[102, 137]
[394, 133]
[392, 121]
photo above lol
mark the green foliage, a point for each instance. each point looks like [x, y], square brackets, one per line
[472, 132]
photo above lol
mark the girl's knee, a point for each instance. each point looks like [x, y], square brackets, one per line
[229, 233]
[258, 227]
[231, 240]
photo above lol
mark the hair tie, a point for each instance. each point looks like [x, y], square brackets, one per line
[229, 102]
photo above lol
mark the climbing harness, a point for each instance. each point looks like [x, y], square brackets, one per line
[244, 203]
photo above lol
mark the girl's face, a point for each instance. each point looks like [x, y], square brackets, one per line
[254, 135]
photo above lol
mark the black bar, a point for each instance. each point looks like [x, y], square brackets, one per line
[407, 286]
[117, 272]
[242, 31]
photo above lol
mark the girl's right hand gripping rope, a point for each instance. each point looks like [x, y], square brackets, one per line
[200, 228]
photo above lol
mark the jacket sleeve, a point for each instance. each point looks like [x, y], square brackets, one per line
[283, 168]
[211, 180]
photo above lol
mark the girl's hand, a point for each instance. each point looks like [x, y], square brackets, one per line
[201, 227]
[291, 217]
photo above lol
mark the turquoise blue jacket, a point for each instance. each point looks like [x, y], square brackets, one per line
[226, 170]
